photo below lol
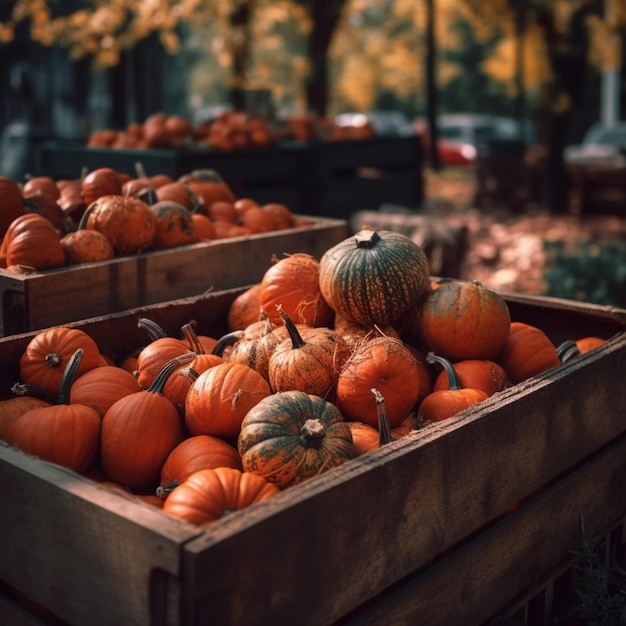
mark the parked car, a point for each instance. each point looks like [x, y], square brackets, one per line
[383, 123]
[464, 137]
[601, 145]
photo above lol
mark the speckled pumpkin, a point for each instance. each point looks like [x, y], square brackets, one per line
[374, 277]
[464, 320]
[291, 436]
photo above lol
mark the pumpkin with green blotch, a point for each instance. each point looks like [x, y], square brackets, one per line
[464, 320]
[291, 436]
[374, 277]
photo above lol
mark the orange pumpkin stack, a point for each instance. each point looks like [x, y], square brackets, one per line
[324, 361]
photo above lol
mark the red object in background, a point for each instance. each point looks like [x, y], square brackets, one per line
[456, 153]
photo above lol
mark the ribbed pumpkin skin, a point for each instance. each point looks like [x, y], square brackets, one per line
[313, 367]
[273, 441]
[67, 435]
[44, 360]
[374, 277]
[482, 374]
[32, 241]
[198, 453]
[207, 495]
[220, 397]
[528, 351]
[464, 320]
[100, 387]
[385, 364]
[138, 433]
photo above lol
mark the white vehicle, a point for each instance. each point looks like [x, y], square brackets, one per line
[601, 145]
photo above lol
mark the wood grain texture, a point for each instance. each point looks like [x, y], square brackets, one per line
[86, 290]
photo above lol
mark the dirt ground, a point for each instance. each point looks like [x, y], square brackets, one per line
[508, 250]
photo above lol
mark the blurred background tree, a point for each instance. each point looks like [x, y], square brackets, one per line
[539, 60]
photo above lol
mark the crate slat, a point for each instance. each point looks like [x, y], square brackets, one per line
[35, 301]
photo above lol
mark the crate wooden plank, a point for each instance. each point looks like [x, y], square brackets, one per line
[118, 334]
[42, 299]
[495, 566]
[280, 162]
[349, 535]
[352, 175]
[93, 555]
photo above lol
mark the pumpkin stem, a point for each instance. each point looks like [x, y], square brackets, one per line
[53, 359]
[567, 350]
[383, 420]
[192, 339]
[33, 391]
[294, 335]
[311, 433]
[82, 224]
[453, 379]
[226, 340]
[366, 238]
[166, 371]
[162, 491]
[140, 170]
[189, 373]
[69, 375]
[154, 330]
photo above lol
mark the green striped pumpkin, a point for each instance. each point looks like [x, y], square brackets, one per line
[374, 277]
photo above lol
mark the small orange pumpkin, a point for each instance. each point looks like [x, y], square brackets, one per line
[128, 223]
[207, 495]
[62, 433]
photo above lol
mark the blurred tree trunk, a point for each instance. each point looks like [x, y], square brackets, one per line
[325, 15]
[240, 38]
[431, 86]
[567, 53]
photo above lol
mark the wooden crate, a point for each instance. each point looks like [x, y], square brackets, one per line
[352, 175]
[597, 188]
[46, 298]
[412, 532]
[325, 178]
[270, 174]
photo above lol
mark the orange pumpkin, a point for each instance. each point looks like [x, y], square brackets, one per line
[32, 241]
[194, 454]
[128, 223]
[221, 397]
[103, 181]
[62, 433]
[445, 403]
[174, 225]
[293, 282]
[86, 246]
[207, 495]
[11, 202]
[139, 431]
[47, 354]
[245, 309]
[483, 374]
[528, 351]
[100, 387]
[464, 320]
[382, 363]
[310, 360]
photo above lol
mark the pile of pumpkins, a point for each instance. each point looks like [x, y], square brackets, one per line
[47, 224]
[229, 130]
[324, 360]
